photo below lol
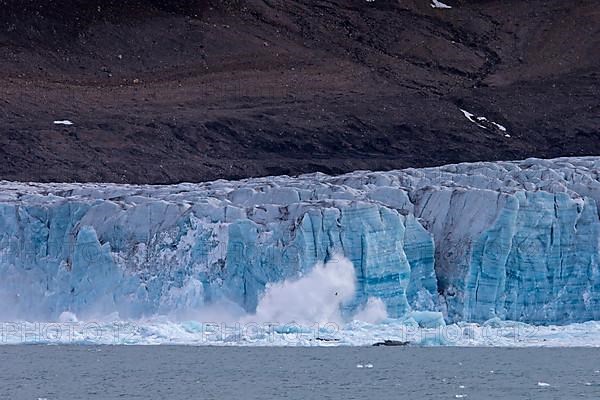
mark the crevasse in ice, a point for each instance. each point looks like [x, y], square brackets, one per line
[509, 240]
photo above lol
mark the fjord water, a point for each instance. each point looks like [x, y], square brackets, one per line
[182, 372]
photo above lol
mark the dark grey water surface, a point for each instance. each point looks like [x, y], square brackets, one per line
[174, 372]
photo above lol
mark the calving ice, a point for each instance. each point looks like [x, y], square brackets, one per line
[198, 198]
[474, 242]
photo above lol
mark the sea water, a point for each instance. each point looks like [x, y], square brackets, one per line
[184, 372]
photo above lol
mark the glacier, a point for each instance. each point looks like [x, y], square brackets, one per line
[475, 242]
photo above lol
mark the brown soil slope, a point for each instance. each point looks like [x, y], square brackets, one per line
[188, 91]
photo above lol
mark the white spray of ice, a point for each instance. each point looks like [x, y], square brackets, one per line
[312, 299]
[373, 312]
[67, 316]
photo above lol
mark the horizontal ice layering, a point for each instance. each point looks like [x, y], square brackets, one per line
[514, 240]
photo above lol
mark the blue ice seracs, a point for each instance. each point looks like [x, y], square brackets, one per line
[509, 240]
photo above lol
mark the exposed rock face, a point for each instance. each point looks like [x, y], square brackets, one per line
[514, 240]
[172, 91]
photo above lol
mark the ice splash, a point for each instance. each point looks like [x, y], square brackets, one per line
[315, 298]
[67, 316]
[373, 312]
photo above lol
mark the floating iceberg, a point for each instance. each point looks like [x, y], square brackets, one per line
[508, 240]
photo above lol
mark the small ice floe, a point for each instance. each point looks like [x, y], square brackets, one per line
[543, 384]
[439, 4]
[485, 123]
[63, 122]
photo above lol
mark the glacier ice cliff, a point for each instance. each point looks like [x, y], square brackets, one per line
[509, 240]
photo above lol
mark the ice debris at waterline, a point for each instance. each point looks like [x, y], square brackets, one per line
[160, 330]
[506, 240]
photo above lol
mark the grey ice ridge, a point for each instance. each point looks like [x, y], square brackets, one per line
[512, 240]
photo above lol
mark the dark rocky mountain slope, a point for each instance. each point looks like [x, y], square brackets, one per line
[163, 92]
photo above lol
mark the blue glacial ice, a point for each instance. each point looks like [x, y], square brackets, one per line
[507, 240]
